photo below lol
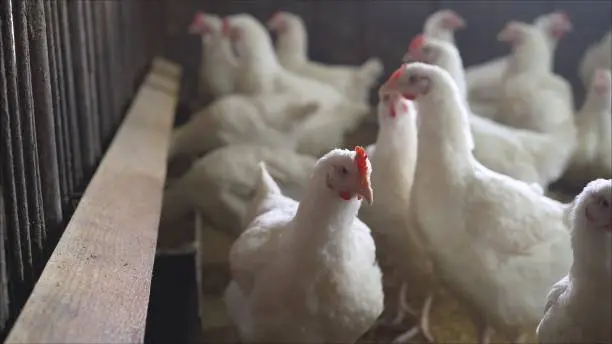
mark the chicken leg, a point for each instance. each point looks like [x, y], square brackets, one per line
[485, 333]
[423, 326]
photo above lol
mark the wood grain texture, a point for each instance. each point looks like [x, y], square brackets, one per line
[95, 288]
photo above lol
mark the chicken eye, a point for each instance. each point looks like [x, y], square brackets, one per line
[413, 79]
[343, 171]
[386, 97]
[604, 202]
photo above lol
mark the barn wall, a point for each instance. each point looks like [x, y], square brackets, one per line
[351, 31]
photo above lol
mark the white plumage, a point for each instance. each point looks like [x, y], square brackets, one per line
[598, 55]
[592, 158]
[292, 53]
[526, 155]
[274, 120]
[579, 306]
[306, 272]
[461, 164]
[483, 250]
[222, 183]
[217, 70]
[484, 80]
[260, 73]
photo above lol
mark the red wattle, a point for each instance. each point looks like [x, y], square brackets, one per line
[345, 195]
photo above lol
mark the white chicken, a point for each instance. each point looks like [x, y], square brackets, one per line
[598, 55]
[532, 96]
[484, 80]
[495, 242]
[522, 154]
[292, 53]
[442, 25]
[269, 119]
[593, 156]
[389, 218]
[217, 69]
[307, 272]
[261, 73]
[221, 184]
[579, 306]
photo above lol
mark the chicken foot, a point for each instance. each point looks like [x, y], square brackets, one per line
[400, 312]
[485, 334]
[422, 327]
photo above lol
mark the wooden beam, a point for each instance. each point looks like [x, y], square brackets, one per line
[95, 287]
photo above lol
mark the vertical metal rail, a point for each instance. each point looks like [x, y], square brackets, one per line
[67, 72]
[28, 135]
[16, 166]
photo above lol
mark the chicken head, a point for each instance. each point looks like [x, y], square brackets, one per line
[198, 25]
[555, 24]
[422, 49]
[592, 226]
[278, 22]
[594, 205]
[447, 20]
[348, 174]
[514, 32]
[392, 106]
[412, 80]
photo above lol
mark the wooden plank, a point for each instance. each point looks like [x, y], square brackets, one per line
[95, 288]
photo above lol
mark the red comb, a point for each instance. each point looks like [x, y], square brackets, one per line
[361, 160]
[417, 42]
[397, 74]
[198, 19]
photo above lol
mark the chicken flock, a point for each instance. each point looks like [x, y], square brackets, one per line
[456, 184]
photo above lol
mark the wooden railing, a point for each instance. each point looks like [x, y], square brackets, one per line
[95, 287]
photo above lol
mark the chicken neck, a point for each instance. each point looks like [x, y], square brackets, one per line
[292, 44]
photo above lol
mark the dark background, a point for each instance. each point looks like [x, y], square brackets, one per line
[349, 32]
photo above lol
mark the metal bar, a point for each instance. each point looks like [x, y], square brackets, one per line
[81, 80]
[120, 41]
[129, 45]
[102, 70]
[132, 42]
[43, 106]
[67, 71]
[21, 228]
[68, 68]
[111, 11]
[56, 94]
[30, 147]
[14, 256]
[63, 133]
[4, 282]
[95, 138]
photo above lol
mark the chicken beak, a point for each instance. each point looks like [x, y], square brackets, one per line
[409, 57]
[365, 190]
[389, 86]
